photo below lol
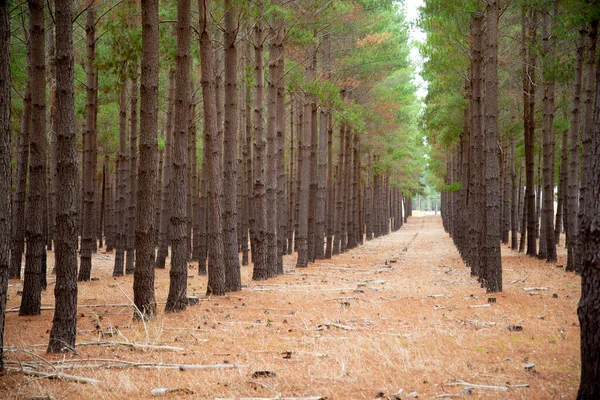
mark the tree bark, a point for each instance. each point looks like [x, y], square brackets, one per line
[132, 181]
[121, 182]
[145, 228]
[212, 153]
[89, 165]
[35, 273]
[5, 167]
[64, 322]
[588, 309]
[280, 143]
[177, 298]
[166, 195]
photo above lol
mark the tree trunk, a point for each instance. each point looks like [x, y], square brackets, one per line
[330, 188]
[167, 188]
[18, 207]
[145, 228]
[339, 195]
[35, 252]
[291, 183]
[64, 323]
[548, 132]
[493, 278]
[260, 245]
[573, 181]
[51, 82]
[280, 143]
[529, 61]
[177, 299]
[562, 182]
[5, 167]
[132, 181]
[586, 138]
[121, 182]
[589, 234]
[514, 196]
[212, 152]
[248, 157]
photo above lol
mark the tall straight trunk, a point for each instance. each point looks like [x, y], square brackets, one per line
[259, 246]
[562, 182]
[145, 228]
[121, 183]
[212, 153]
[476, 230]
[158, 194]
[195, 184]
[303, 183]
[321, 205]
[573, 181]
[246, 161]
[5, 167]
[291, 184]
[64, 322]
[310, 113]
[339, 193]
[233, 280]
[529, 29]
[586, 138]
[177, 298]
[51, 82]
[548, 132]
[280, 143]
[132, 181]
[89, 165]
[202, 234]
[167, 187]
[514, 196]
[369, 199]
[109, 204]
[248, 145]
[493, 279]
[36, 252]
[523, 214]
[347, 179]
[271, 174]
[589, 247]
[330, 188]
[299, 168]
[357, 212]
[18, 206]
[101, 209]
[506, 195]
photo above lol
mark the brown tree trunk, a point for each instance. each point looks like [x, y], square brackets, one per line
[514, 196]
[132, 181]
[280, 143]
[330, 188]
[291, 183]
[586, 138]
[260, 245]
[589, 235]
[51, 82]
[121, 183]
[89, 165]
[177, 298]
[167, 187]
[573, 181]
[145, 228]
[18, 207]
[212, 153]
[36, 252]
[5, 167]
[64, 322]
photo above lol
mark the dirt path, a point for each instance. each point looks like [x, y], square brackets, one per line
[398, 315]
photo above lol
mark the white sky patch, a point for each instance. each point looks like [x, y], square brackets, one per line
[416, 34]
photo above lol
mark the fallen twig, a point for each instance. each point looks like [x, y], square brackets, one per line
[55, 375]
[132, 345]
[529, 289]
[163, 391]
[339, 326]
[476, 386]
[271, 398]
[480, 306]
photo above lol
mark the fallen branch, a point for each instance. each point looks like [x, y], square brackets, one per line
[55, 375]
[163, 391]
[476, 386]
[132, 345]
[271, 398]
[480, 306]
[331, 324]
[185, 367]
[529, 289]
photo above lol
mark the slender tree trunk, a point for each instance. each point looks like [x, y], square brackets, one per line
[251, 231]
[562, 182]
[89, 165]
[260, 245]
[36, 217]
[5, 167]
[51, 82]
[321, 206]
[167, 188]
[18, 207]
[589, 246]
[195, 184]
[339, 195]
[145, 228]
[586, 140]
[109, 201]
[330, 188]
[573, 181]
[280, 143]
[514, 197]
[310, 115]
[64, 323]
[121, 182]
[212, 153]
[548, 133]
[291, 184]
[177, 299]
[529, 61]
[132, 181]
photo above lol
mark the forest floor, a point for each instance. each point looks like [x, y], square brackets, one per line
[399, 317]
